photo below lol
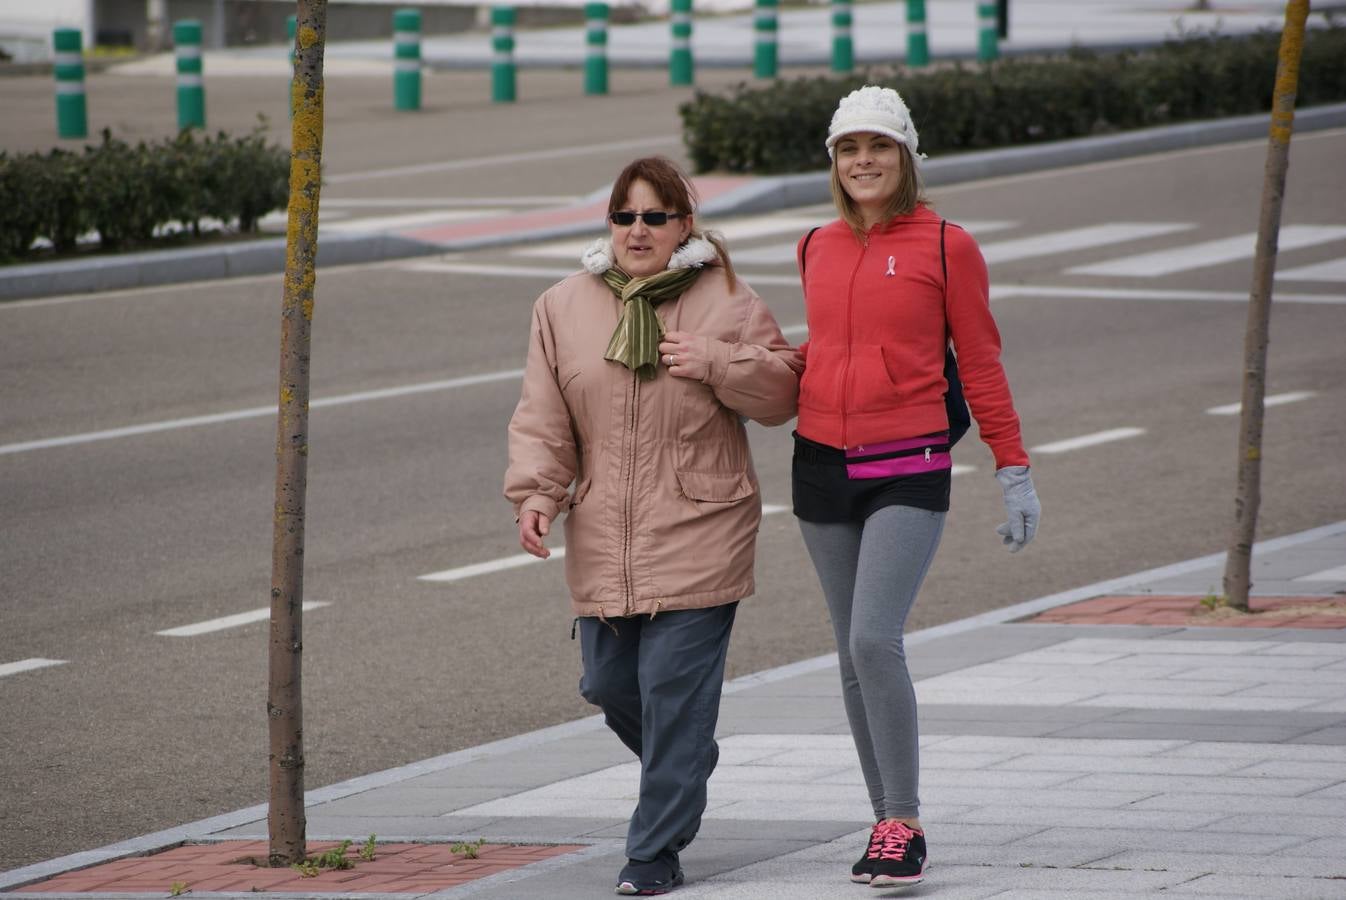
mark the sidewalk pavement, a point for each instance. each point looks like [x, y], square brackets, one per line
[1202, 757]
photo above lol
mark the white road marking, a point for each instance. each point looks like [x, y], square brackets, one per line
[453, 165]
[493, 565]
[1076, 239]
[1233, 409]
[1209, 253]
[28, 665]
[1337, 574]
[247, 618]
[1006, 291]
[505, 271]
[445, 202]
[740, 229]
[1088, 440]
[783, 254]
[258, 412]
[407, 220]
[1332, 270]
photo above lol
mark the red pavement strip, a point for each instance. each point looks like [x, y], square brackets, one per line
[226, 866]
[1171, 609]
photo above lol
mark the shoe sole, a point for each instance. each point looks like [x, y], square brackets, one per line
[879, 881]
[863, 878]
[627, 889]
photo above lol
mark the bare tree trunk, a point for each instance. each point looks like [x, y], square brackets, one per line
[285, 818]
[1248, 496]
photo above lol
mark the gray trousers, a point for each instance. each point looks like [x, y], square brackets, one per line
[870, 574]
[658, 682]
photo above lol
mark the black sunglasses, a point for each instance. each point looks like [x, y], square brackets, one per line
[652, 219]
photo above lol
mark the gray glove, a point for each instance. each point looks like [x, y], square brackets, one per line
[1021, 504]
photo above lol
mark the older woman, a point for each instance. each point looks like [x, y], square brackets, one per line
[641, 370]
[886, 286]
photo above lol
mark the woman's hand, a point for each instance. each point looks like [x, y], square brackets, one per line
[533, 527]
[687, 355]
[1021, 507]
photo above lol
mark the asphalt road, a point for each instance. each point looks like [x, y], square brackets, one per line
[103, 543]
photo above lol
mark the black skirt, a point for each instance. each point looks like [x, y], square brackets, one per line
[823, 493]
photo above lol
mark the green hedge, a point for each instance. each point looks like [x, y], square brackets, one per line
[781, 127]
[125, 192]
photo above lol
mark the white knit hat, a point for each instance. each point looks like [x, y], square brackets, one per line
[877, 109]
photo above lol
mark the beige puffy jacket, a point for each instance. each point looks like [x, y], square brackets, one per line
[665, 505]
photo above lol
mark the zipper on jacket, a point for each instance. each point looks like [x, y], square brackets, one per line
[846, 372]
[632, 420]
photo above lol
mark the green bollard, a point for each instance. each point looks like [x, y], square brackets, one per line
[191, 87]
[843, 50]
[291, 29]
[988, 28]
[596, 48]
[680, 59]
[407, 59]
[764, 25]
[918, 47]
[72, 115]
[502, 60]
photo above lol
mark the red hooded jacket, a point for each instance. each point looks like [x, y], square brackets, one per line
[878, 316]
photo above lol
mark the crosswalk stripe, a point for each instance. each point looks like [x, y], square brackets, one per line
[1337, 574]
[1233, 409]
[1209, 253]
[1088, 440]
[28, 665]
[1076, 239]
[732, 230]
[784, 254]
[1332, 270]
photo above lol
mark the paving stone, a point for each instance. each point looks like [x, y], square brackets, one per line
[1289, 768]
[1193, 732]
[1232, 674]
[1230, 863]
[971, 795]
[1334, 735]
[1078, 817]
[999, 778]
[1171, 841]
[403, 801]
[1097, 762]
[1282, 787]
[1330, 847]
[1234, 804]
[1239, 702]
[1308, 689]
[1263, 822]
[993, 713]
[1005, 728]
[1301, 888]
[1082, 746]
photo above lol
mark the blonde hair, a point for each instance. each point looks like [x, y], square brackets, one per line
[674, 190]
[910, 193]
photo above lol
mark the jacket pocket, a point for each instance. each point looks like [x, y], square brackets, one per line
[873, 387]
[581, 491]
[715, 487]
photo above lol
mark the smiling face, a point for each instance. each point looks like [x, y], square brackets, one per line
[642, 249]
[869, 167]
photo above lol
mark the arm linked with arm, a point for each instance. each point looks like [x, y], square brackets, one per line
[758, 375]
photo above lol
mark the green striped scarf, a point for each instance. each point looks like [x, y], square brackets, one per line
[635, 343]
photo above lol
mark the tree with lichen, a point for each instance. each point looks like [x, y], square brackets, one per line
[285, 815]
[1248, 493]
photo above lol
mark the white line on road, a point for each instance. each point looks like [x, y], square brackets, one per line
[1088, 440]
[784, 254]
[464, 268]
[1004, 292]
[453, 165]
[1337, 574]
[447, 202]
[1076, 239]
[1332, 270]
[1209, 253]
[1233, 409]
[247, 618]
[28, 665]
[257, 412]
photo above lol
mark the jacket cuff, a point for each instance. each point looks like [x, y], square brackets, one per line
[543, 504]
[718, 352]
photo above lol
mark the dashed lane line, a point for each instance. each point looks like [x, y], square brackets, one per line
[28, 665]
[234, 621]
[1088, 440]
[1209, 253]
[1336, 574]
[1233, 409]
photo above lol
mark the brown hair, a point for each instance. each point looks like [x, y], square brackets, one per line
[910, 193]
[674, 190]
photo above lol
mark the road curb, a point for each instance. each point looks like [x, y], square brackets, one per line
[765, 194]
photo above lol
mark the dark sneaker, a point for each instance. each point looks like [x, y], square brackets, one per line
[660, 875]
[863, 870]
[901, 857]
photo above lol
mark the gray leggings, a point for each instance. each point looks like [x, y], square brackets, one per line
[870, 574]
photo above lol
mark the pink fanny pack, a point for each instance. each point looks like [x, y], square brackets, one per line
[909, 456]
